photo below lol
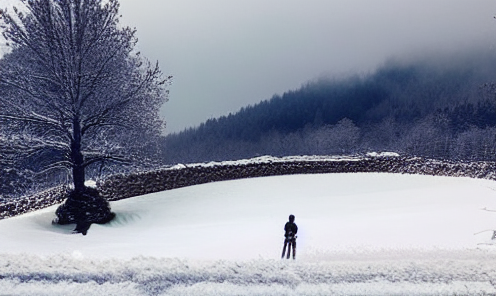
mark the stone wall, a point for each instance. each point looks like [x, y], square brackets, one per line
[124, 186]
[121, 186]
[35, 202]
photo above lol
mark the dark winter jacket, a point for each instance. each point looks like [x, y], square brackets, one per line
[291, 229]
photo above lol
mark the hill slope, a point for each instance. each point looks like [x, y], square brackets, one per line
[402, 106]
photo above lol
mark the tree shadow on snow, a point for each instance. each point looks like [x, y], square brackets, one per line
[123, 219]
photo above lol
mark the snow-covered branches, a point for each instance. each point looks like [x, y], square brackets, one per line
[74, 85]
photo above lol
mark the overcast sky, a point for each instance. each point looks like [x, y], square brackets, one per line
[226, 54]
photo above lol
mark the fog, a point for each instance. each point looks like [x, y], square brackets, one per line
[228, 54]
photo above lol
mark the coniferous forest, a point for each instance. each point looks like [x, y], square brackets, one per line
[442, 106]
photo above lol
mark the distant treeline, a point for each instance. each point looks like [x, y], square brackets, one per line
[441, 107]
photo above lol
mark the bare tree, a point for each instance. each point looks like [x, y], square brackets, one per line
[74, 90]
[341, 138]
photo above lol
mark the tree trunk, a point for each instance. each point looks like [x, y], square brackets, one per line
[78, 178]
[83, 206]
[78, 175]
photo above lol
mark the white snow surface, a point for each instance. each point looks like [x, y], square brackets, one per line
[297, 158]
[359, 234]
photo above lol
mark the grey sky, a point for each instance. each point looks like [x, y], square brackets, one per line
[226, 54]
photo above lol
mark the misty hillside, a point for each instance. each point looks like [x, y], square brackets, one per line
[441, 106]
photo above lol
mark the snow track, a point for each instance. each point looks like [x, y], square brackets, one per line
[381, 273]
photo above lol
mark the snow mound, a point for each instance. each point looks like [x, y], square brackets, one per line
[90, 184]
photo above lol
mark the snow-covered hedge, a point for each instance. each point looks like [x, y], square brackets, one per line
[124, 186]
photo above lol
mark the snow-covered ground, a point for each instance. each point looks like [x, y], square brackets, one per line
[359, 234]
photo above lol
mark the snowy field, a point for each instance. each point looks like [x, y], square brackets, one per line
[359, 234]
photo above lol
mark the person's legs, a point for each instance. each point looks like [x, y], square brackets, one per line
[289, 249]
[286, 243]
[294, 249]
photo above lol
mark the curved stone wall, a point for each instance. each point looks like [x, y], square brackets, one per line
[124, 186]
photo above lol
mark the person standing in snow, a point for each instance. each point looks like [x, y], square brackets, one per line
[290, 230]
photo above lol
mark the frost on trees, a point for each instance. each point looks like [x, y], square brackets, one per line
[75, 94]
